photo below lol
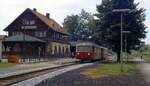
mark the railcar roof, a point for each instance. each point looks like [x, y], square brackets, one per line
[88, 44]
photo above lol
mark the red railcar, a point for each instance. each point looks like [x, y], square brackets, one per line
[89, 51]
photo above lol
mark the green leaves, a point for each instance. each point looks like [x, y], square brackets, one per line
[80, 26]
[109, 25]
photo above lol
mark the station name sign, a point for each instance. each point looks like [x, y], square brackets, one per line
[28, 27]
[28, 24]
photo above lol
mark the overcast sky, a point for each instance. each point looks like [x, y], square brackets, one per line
[58, 9]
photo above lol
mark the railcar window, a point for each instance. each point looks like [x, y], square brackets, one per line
[85, 48]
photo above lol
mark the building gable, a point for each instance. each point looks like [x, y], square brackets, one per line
[26, 21]
[32, 20]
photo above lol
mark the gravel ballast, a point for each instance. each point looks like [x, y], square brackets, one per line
[37, 80]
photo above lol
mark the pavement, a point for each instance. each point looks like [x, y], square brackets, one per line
[145, 69]
[23, 68]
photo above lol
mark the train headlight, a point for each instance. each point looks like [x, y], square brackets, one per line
[78, 53]
[89, 54]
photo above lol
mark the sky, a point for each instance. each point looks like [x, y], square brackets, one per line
[58, 9]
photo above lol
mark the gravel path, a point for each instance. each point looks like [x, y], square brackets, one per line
[145, 69]
[74, 78]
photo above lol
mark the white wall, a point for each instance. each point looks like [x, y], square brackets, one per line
[0, 49]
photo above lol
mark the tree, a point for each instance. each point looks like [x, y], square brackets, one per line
[71, 24]
[79, 26]
[109, 24]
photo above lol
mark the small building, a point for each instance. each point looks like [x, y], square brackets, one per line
[1, 46]
[33, 35]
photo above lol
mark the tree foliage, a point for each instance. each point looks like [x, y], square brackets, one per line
[79, 26]
[109, 24]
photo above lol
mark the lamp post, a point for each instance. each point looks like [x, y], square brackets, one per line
[121, 11]
[125, 33]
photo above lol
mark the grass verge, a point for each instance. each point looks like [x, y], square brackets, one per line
[6, 65]
[110, 70]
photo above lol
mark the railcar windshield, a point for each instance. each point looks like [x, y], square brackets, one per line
[85, 49]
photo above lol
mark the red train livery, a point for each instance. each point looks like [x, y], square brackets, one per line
[90, 51]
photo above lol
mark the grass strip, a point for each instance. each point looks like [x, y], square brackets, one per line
[110, 70]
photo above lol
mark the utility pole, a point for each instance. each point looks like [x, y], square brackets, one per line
[121, 11]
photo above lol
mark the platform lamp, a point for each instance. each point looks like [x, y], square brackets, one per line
[121, 11]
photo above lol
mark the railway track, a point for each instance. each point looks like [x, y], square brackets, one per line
[8, 81]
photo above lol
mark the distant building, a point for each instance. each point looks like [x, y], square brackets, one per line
[1, 46]
[34, 35]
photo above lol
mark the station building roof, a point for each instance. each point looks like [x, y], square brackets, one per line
[50, 22]
[22, 38]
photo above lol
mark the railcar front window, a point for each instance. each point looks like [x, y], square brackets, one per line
[85, 49]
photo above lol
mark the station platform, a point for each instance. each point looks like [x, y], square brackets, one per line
[25, 68]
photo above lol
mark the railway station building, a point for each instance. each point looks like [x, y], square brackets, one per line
[33, 35]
